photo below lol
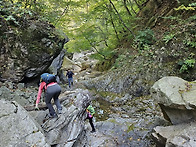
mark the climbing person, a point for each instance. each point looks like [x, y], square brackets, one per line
[90, 112]
[52, 90]
[70, 77]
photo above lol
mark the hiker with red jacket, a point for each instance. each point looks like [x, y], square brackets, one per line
[52, 90]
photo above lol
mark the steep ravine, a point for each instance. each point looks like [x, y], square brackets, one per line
[125, 112]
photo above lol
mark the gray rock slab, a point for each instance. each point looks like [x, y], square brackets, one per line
[177, 99]
[182, 135]
[18, 128]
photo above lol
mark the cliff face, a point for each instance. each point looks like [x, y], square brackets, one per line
[27, 44]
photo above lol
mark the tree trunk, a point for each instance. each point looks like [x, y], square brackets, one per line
[93, 46]
[137, 4]
[113, 25]
[104, 39]
[132, 8]
[125, 5]
[121, 19]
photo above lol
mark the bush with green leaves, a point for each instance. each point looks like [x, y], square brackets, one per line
[168, 37]
[13, 12]
[190, 43]
[144, 38]
[187, 64]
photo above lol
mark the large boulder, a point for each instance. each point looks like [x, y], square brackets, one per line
[182, 135]
[68, 128]
[69, 64]
[18, 128]
[56, 67]
[27, 45]
[177, 99]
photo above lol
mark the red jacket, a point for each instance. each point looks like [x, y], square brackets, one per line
[41, 87]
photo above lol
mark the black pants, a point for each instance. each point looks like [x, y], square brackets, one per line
[53, 92]
[91, 122]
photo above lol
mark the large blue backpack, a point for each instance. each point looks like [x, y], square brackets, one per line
[47, 78]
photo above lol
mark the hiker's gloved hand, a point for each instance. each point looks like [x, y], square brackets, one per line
[36, 107]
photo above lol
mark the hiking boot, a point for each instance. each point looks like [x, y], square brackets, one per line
[52, 116]
[49, 115]
[93, 131]
[59, 111]
[55, 116]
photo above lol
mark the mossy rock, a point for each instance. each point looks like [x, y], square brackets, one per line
[28, 47]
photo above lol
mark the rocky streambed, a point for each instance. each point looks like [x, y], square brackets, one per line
[129, 121]
[120, 121]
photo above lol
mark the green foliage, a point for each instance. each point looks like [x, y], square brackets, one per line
[190, 7]
[147, 47]
[119, 61]
[193, 18]
[130, 128]
[171, 17]
[12, 12]
[98, 25]
[75, 45]
[11, 18]
[144, 39]
[90, 25]
[168, 37]
[104, 65]
[187, 64]
[190, 43]
[106, 59]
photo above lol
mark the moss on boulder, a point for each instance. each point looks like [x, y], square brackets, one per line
[28, 45]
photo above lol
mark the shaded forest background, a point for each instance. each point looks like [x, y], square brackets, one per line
[115, 30]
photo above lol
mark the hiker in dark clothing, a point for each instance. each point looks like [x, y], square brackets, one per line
[90, 112]
[52, 90]
[70, 77]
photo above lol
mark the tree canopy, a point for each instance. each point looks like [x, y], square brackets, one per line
[97, 25]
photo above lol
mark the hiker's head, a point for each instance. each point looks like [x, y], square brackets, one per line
[87, 104]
